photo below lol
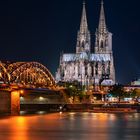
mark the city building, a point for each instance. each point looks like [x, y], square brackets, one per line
[136, 82]
[84, 66]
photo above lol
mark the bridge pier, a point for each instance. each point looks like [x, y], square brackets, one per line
[9, 102]
[31, 100]
[15, 102]
[5, 102]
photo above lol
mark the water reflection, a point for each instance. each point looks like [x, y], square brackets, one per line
[71, 126]
[19, 129]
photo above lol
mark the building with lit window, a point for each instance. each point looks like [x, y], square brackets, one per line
[88, 67]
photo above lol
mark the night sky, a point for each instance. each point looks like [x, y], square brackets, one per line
[36, 30]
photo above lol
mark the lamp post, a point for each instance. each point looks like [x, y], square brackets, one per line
[102, 93]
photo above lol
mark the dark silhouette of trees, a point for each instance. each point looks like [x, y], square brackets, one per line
[117, 90]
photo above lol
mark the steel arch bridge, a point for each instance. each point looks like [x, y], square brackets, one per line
[26, 73]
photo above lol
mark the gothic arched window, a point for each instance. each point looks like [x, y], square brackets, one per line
[83, 44]
[102, 44]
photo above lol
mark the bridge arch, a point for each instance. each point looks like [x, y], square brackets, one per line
[28, 73]
[4, 75]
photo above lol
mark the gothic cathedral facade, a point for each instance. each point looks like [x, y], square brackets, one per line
[84, 66]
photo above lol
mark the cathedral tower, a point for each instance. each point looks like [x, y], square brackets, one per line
[83, 38]
[103, 43]
[84, 66]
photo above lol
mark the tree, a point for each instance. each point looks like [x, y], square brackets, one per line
[131, 94]
[74, 89]
[117, 91]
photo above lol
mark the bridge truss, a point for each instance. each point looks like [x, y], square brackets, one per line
[26, 73]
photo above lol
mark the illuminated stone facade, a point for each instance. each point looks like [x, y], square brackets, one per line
[84, 66]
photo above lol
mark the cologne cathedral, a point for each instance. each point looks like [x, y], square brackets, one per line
[86, 67]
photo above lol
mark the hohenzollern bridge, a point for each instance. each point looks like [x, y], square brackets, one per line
[31, 74]
[27, 86]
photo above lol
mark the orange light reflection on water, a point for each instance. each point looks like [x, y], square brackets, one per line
[19, 129]
[104, 116]
[57, 126]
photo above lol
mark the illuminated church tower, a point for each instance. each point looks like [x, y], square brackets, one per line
[83, 38]
[103, 43]
[84, 66]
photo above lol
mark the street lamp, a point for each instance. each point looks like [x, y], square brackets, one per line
[102, 92]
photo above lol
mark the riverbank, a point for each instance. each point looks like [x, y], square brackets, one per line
[94, 108]
[98, 108]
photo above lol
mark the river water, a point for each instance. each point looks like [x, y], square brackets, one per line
[71, 126]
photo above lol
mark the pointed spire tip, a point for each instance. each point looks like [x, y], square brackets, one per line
[83, 25]
[102, 23]
[84, 2]
[102, 2]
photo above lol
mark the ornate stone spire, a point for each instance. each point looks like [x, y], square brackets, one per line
[102, 22]
[83, 38]
[103, 43]
[84, 25]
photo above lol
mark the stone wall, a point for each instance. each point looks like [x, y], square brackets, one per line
[5, 102]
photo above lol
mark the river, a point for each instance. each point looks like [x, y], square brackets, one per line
[71, 126]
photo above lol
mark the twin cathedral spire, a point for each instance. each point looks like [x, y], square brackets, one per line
[84, 66]
[103, 41]
[83, 39]
[102, 22]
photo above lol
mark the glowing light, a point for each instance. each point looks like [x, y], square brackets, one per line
[41, 112]
[60, 107]
[72, 113]
[23, 112]
[41, 98]
[21, 91]
[21, 98]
